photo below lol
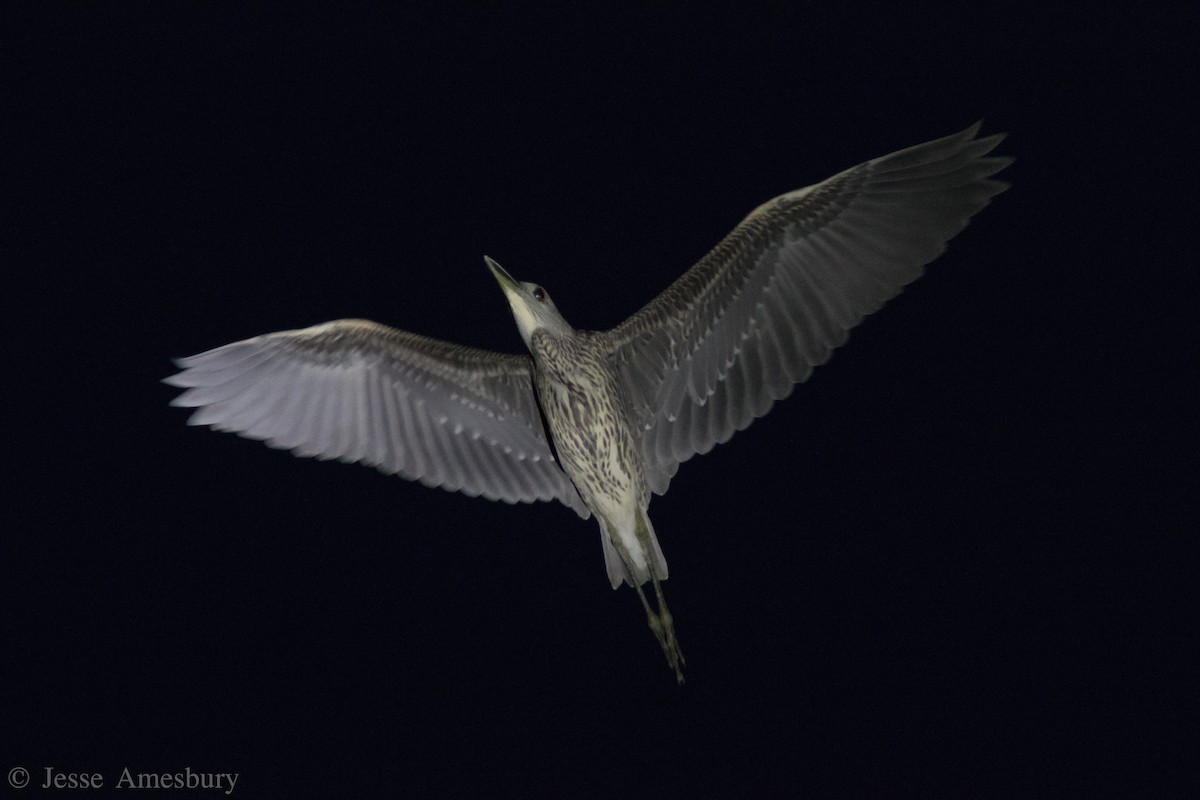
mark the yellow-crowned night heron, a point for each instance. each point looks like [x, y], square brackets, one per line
[599, 421]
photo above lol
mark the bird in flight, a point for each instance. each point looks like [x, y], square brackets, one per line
[600, 421]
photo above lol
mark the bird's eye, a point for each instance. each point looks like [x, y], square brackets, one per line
[539, 294]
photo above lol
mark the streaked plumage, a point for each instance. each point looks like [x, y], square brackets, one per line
[625, 407]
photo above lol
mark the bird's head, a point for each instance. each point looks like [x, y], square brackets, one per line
[531, 306]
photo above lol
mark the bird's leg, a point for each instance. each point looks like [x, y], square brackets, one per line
[663, 627]
[667, 638]
[659, 619]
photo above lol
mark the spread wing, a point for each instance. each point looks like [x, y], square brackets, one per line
[739, 329]
[446, 415]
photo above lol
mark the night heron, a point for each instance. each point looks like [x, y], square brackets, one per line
[599, 421]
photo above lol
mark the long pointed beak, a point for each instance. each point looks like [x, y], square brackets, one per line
[507, 282]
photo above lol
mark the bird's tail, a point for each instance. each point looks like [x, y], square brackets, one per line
[623, 567]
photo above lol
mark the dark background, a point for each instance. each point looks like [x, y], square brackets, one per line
[947, 566]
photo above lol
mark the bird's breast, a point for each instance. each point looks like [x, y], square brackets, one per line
[594, 443]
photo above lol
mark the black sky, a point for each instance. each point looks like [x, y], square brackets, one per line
[944, 567]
